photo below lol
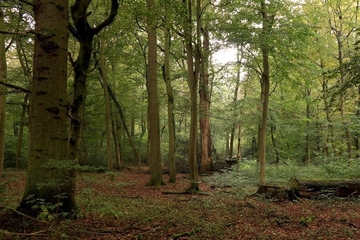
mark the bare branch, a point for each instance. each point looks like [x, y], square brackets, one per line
[20, 33]
[15, 87]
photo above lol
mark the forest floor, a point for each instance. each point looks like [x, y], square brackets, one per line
[118, 205]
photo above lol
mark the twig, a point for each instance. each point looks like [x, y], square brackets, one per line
[23, 214]
[38, 233]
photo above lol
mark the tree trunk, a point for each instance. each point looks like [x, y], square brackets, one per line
[49, 175]
[227, 144]
[329, 146]
[28, 75]
[116, 142]
[205, 133]
[170, 98]
[307, 148]
[192, 82]
[3, 76]
[265, 92]
[273, 140]
[154, 157]
[239, 151]
[84, 33]
[357, 133]
[21, 130]
[336, 25]
[103, 73]
[123, 120]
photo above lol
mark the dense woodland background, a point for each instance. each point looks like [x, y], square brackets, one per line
[100, 98]
[306, 50]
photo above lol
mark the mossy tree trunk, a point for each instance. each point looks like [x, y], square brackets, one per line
[49, 175]
[84, 33]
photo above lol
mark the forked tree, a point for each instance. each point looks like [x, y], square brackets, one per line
[84, 33]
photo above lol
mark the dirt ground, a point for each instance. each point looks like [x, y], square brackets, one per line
[120, 206]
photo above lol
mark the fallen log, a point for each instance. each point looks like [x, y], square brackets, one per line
[325, 188]
[276, 193]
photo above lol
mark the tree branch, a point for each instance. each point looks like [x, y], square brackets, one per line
[110, 18]
[15, 87]
[30, 3]
[19, 33]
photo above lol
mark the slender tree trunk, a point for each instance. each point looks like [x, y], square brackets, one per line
[116, 142]
[329, 146]
[3, 76]
[49, 175]
[239, 151]
[231, 142]
[123, 121]
[170, 98]
[192, 82]
[227, 144]
[342, 97]
[154, 157]
[307, 147]
[21, 130]
[235, 98]
[357, 135]
[103, 73]
[28, 75]
[205, 133]
[273, 140]
[266, 26]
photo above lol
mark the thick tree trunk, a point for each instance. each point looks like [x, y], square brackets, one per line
[3, 73]
[50, 176]
[154, 157]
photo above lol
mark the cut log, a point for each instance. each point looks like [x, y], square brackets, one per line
[325, 188]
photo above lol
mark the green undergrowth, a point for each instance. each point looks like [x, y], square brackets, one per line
[244, 177]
